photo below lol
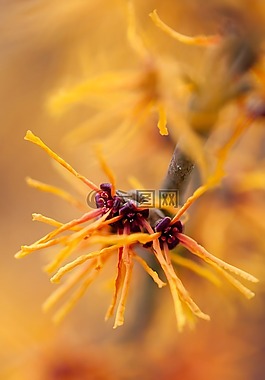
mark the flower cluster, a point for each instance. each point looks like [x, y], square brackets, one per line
[118, 224]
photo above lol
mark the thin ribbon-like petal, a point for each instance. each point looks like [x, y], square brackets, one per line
[36, 140]
[196, 40]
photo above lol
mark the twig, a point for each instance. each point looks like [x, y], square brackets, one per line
[179, 169]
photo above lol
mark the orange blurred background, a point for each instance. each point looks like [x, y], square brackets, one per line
[45, 46]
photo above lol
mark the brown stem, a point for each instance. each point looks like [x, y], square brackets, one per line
[179, 169]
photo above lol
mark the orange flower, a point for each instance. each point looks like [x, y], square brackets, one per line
[117, 225]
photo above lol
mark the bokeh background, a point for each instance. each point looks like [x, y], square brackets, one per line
[48, 45]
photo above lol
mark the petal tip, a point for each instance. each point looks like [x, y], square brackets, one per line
[18, 255]
[55, 279]
[29, 135]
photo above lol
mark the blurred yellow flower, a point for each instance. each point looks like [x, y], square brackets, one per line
[161, 90]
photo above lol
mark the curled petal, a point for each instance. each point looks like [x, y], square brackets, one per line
[197, 40]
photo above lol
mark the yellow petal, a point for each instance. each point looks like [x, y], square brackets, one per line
[196, 40]
[97, 89]
[121, 240]
[150, 271]
[65, 309]
[198, 269]
[216, 177]
[237, 284]
[51, 221]
[64, 288]
[162, 122]
[80, 260]
[133, 37]
[36, 140]
[200, 251]
[118, 284]
[56, 191]
[106, 169]
[180, 316]
[119, 319]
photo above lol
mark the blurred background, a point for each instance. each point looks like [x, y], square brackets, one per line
[49, 46]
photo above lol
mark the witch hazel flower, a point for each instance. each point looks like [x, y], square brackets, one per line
[117, 226]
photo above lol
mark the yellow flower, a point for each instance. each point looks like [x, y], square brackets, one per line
[128, 96]
[160, 90]
[94, 227]
[226, 76]
[127, 100]
[117, 225]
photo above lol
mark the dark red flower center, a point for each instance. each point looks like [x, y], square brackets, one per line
[131, 215]
[169, 232]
